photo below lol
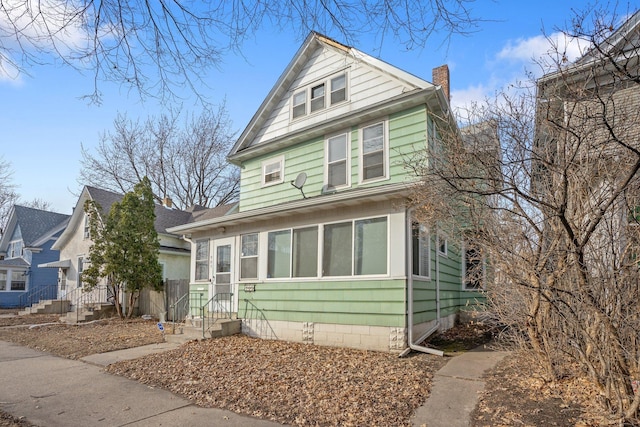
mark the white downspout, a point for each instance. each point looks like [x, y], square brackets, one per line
[409, 272]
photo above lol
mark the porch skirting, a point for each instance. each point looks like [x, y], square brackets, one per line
[377, 338]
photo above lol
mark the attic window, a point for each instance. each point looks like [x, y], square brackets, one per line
[338, 89]
[299, 104]
[333, 88]
[317, 98]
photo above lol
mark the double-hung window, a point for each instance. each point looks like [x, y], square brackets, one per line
[338, 89]
[337, 160]
[80, 270]
[273, 171]
[299, 108]
[18, 280]
[319, 95]
[421, 250]
[202, 259]
[249, 256]
[373, 152]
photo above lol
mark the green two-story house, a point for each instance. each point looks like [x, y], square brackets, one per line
[321, 247]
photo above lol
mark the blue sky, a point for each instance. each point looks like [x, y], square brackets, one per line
[43, 121]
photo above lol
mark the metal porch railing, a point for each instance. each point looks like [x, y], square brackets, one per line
[34, 296]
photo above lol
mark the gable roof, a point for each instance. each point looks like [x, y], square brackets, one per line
[34, 224]
[621, 45]
[621, 40]
[304, 53]
[165, 217]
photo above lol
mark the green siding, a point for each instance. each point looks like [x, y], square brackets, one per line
[453, 298]
[407, 133]
[371, 303]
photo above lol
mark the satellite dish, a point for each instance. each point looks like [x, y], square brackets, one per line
[299, 182]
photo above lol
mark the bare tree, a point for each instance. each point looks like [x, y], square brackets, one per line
[556, 211]
[157, 47]
[8, 195]
[187, 164]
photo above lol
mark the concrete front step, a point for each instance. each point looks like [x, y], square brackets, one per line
[47, 307]
[99, 311]
[221, 328]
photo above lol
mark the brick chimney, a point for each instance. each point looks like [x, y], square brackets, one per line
[167, 202]
[440, 77]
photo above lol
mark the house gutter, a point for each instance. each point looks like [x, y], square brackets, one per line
[413, 345]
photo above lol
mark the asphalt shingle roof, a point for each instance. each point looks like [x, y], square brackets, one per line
[165, 217]
[34, 223]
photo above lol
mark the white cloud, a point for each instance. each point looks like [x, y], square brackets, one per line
[32, 30]
[515, 63]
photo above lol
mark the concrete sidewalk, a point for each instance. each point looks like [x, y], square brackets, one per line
[53, 391]
[454, 394]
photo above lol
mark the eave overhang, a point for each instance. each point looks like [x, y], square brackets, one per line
[301, 207]
[431, 96]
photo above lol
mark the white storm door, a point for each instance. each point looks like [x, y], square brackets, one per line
[221, 289]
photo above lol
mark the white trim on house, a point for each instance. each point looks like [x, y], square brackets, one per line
[266, 172]
[385, 151]
[299, 207]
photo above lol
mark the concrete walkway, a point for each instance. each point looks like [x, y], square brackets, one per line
[455, 389]
[53, 391]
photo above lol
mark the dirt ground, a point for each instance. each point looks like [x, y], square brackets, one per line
[309, 385]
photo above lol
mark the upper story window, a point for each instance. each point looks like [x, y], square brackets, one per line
[338, 89]
[86, 230]
[315, 95]
[337, 160]
[273, 171]
[299, 108]
[374, 152]
[15, 249]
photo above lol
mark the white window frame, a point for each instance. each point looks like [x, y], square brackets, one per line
[385, 151]
[294, 105]
[206, 260]
[353, 248]
[332, 91]
[347, 160]
[313, 101]
[292, 232]
[483, 279]
[266, 163]
[243, 257]
[11, 250]
[79, 271]
[86, 229]
[328, 91]
[423, 236]
[9, 280]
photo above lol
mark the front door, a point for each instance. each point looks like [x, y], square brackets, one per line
[221, 289]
